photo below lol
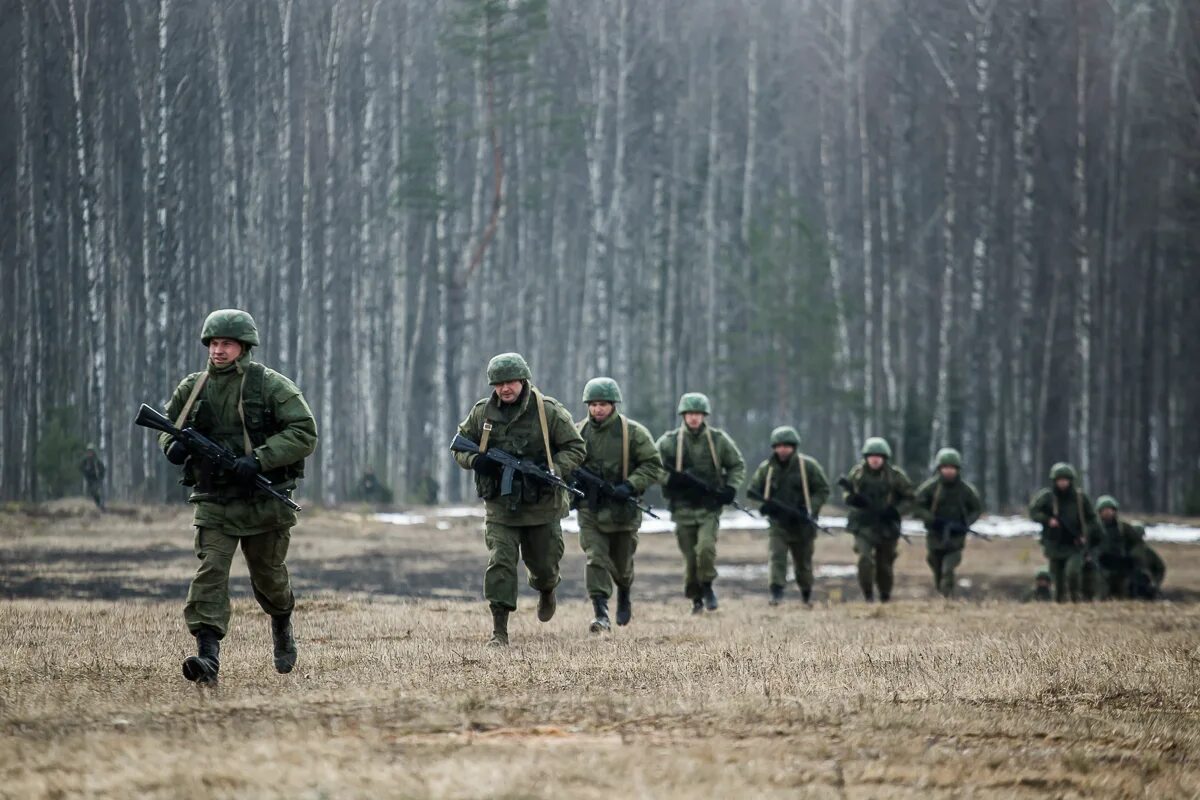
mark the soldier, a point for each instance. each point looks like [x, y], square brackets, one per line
[259, 413]
[92, 469]
[1129, 568]
[1042, 591]
[877, 494]
[949, 506]
[710, 455]
[622, 452]
[790, 480]
[1068, 524]
[518, 419]
[370, 490]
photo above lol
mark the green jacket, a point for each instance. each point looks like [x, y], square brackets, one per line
[283, 433]
[1075, 532]
[517, 431]
[956, 501]
[603, 442]
[1116, 541]
[729, 470]
[92, 469]
[787, 487]
[884, 488]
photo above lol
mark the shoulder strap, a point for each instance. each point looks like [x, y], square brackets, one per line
[767, 482]
[712, 449]
[256, 372]
[804, 482]
[679, 449]
[1054, 501]
[187, 407]
[541, 410]
[624, 448]
[937, 496]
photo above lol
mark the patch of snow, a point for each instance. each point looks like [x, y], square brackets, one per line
[460, 511]
[1170, 532]
[749, 572]
[401, 518]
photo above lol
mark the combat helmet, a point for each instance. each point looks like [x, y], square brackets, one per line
[949, 457]
[1063, 470]
[605, 389]
[694, 401]
[230, 323]
[1107, 501]
[508, 367]
[785, 434]
[877, 446]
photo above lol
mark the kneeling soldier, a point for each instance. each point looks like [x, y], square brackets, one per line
[519, 420]
[949, 506]
[790, 481]
[252, 410]
[621, 452]
[1069, 526]
[877, 494]
[1129, 568]
[709, 455]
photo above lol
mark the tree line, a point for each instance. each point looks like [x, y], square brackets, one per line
[968, 223]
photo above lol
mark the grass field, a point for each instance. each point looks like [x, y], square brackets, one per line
[395, 694]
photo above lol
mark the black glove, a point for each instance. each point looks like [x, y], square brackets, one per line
[938, 525]
[726, 494]
[857, 500]
[771, 508]
[956, 529]
[622, 491]
[177, 453]
[890, 514]
[246, 467]
[486, 465]
[676, 482]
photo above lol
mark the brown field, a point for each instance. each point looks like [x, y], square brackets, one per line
[396, 696]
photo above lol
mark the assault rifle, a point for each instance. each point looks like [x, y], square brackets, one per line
[511, 465]
[689, 483]
[200, 446]
[862, 505]
[799, 514]
[596, 488]
[945, 532]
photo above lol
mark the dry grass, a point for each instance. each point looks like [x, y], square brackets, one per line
[398, 697]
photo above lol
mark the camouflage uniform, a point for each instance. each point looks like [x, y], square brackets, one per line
[800, 483]
[948, 508]
[884, 495]
[1065, 546]
[1129, 568]
[93, 471]
[526, 524]
[278, 433]
[709, 454]
[608, 530]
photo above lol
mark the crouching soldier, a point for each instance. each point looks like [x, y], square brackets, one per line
[1129, 568]
[525, 524]
[948, 506]
[1068, 527]
[793, 488]
[621, 453]
[260, 414]
[877, 494]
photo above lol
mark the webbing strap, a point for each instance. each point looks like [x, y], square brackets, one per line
[187, 407]
[541, 409]
[803, 481]
[241, 415]
[487, 434]
[624, 449]
[767, 484]
[712, 448]
[937, 496]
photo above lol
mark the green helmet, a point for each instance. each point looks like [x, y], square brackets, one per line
[1043, 575]
[601, 389]
[785, 434]
[90, 446]
[230, 323]
[508, 367]
[949, 457]
[876, 446]
[1063, 470]
[694, 401]
[1107, 501]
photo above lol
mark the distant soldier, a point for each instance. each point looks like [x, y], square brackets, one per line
[877, 494]
[93, 471]
[1042, 587]
[621, 452]
[1068, 526]
[790, 481]
[1129, 568]
[260, 414]
[949, 506]
[698, 451]
[370, 490]
[524, 525]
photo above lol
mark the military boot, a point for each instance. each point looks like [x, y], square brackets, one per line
[202, 668]
[624, 606]
[806, 595]
[285, 645]
[547, 604]
[710, 597]
[600, 606]
[499, 628]
[776, 594]
[697, 605]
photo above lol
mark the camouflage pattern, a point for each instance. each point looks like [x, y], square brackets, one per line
[508, 367]
[957, 502]
[539, 546]
[877, 446]
[230, 323]
[785, 536]
[601, 389]
[93, 471]
[785, 434]
[876, 537]
[694, 401]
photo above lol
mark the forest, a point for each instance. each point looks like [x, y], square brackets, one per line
[957, 222]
